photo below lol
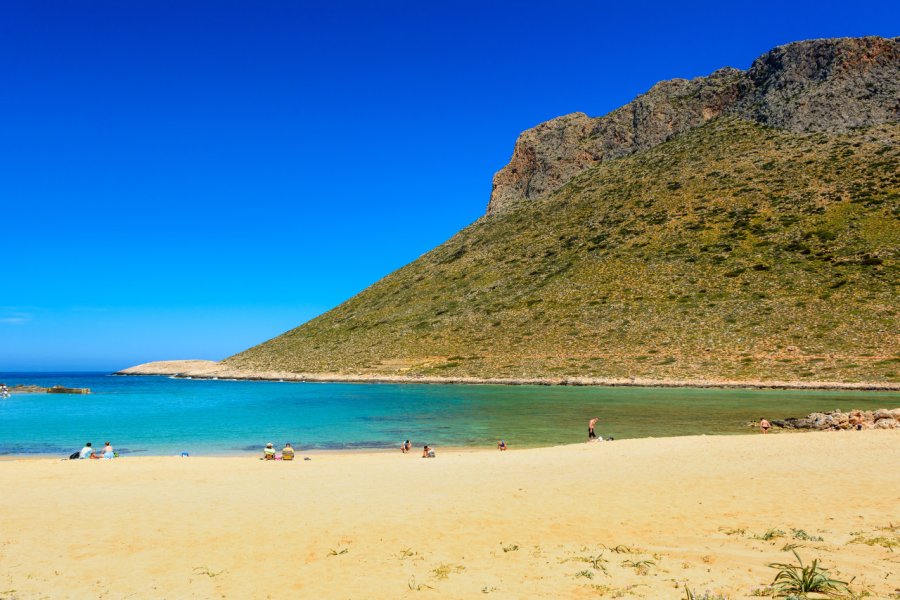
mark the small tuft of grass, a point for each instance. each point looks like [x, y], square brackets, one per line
[799, 534]
[770, 534]
[641, 567]
[334, 552]
[510, 548]
[879, 540]
[417, 587]
[444, 570]
[597, 562]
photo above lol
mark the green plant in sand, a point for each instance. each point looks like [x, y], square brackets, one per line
[800, 580]
[800, 534]
[770, 534]
[879, 540]
[641, 567]
[597, 562]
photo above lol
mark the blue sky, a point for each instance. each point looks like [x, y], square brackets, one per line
[187, 179]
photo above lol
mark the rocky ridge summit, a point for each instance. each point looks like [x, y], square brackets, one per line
[828, 85]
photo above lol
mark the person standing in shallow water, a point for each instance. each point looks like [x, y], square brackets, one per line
[764, 425]
[591, 424]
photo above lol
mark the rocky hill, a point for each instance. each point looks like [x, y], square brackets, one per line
[831, 85]
[743, 226]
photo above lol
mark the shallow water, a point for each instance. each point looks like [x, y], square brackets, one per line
[162, 416]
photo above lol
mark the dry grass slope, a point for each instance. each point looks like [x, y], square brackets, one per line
[732, 251]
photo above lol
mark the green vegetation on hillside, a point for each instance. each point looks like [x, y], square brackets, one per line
[731, 251]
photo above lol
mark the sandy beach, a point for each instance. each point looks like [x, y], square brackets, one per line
[572, 521]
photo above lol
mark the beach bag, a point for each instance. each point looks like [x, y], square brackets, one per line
[74, 455]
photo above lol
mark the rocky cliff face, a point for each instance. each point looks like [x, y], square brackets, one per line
[830, 85]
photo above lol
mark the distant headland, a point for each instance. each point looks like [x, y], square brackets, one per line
[208, 369]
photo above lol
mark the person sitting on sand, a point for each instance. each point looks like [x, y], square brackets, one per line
[269, 451]
[591, 424]
[87, 451]
[108, 451]
[427, 452]
[764, 425]
[501, 445]
[405, 447]
[287, 453]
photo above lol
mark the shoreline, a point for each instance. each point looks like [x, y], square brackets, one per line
[211, 371]
[300, 452]
[442, 450]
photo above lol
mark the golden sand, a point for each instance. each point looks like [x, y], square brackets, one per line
[567, 522]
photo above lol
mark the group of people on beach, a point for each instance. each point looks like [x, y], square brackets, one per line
[428, 451]
[88, 452]
[287, 453]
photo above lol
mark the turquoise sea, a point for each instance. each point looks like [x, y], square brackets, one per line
[162, 416]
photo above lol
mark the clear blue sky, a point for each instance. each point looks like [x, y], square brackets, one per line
[187, 179]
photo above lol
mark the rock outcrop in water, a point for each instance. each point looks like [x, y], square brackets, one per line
[37, 389]
[829, 85]
[855, 419]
